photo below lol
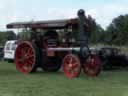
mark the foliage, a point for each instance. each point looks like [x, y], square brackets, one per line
[8, 35]
[116, 33]
[118, 30]
[95, 31]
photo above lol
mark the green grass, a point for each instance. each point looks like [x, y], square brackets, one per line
[13, 83]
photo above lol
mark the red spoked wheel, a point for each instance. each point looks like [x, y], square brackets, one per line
[71, 66]
[26, 57]
[92, 66]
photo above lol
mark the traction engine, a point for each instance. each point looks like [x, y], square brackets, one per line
[56, 44]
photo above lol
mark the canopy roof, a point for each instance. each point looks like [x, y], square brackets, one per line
[44, 24]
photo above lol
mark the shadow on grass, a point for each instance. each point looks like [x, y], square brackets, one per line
[8, 72]
[43, 73]
[11, 71]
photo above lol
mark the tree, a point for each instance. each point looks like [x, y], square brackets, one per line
[118, 30]
[6, 35]
[95, 31]
[10, 35]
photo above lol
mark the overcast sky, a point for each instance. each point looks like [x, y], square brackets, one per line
[26, 10]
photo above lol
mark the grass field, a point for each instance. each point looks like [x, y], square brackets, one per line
[13, 83]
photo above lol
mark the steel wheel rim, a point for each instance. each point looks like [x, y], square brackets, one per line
[71, 66]
[24, 57]
[92, 66]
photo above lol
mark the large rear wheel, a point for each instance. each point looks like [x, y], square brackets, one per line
[27, 57]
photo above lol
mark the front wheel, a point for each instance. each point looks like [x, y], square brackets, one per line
[71, 66]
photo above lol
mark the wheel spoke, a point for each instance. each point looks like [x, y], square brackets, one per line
[30, 57]
[20, 60]
[75, 65]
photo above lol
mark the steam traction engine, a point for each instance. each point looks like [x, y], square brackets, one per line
[55, 44]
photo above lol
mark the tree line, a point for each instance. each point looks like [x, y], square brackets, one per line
[5, 36]
[115, 34]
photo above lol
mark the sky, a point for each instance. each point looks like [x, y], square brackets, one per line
[103, 11]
